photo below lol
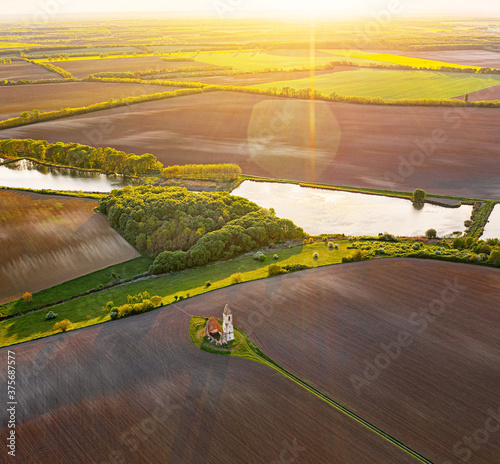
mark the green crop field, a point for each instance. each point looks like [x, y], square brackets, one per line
[352, 55]
[392, 84]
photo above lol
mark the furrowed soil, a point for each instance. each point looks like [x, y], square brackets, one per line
[17, 71]
[83, 68]
[47, 240]
[139, 388]
[445, 151]
[328, 324]
[50, 97]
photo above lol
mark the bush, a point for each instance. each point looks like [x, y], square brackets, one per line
[459, 243]
[157, 301]
[330, 245]
[113, 314]
[358, 255]
[494, 257]
[259, 256]
[27, 297]
[208, 284]
[274, 270]
[418, 196]
[416, 246]
[276, 256]
[431, 233]
[295, 267]
[315, 256]
[50, 315]
[237, 278]
[63, 326]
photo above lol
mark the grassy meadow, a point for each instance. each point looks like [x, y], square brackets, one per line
[389, 84]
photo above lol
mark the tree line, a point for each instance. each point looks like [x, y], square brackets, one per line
[80, 156]
[182, 229]
[50, 67]
[216, 172]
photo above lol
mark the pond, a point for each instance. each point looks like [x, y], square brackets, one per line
[321, 211]
[492, 229]
[32, 175]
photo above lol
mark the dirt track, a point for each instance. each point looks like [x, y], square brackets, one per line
[356, 145]
[140, 389]
[325, 324]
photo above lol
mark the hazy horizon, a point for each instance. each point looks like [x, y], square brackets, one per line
[240, 9]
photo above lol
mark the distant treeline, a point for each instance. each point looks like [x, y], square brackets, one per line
[38, 81]
[54, 69]
[193, 85]
[402, 67]
[177, 58]
[80, 156]
[35, 115]
[153, 72]
[183, 229]
[217, 172]
[310, 94]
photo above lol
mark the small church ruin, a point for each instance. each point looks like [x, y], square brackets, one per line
[218, 335]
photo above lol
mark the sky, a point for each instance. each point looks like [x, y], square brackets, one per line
[234, 8]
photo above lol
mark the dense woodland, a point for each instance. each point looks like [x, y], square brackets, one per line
[184, 229]
[80, 156]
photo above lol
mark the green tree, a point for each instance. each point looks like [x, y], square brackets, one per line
[431, 233]
[418, 196]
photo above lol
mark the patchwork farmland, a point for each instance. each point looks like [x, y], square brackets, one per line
[353, 349]
[358, 145]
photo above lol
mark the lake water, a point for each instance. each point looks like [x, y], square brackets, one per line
[321, 211]
[28, 174]
[492, 229]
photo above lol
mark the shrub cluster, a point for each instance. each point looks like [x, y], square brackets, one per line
[136, 304]
[217, 172]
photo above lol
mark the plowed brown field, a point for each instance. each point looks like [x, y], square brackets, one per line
[46, 240]
[83, 68]
[138, 391]
[260, 78]
[17, 71]
[324, 325]
[50, 97]
[441, 150]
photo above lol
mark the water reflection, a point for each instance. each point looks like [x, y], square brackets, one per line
[320, 211]
[29, 174]
[492, 228]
